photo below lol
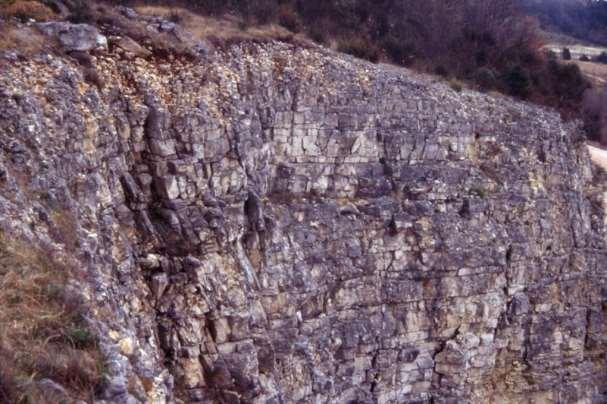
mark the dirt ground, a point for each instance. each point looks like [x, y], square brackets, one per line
[596, 72]
[598, 154]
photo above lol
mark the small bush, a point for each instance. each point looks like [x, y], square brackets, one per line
[398, 52]
[360, 48]
[318, 34]
[81, 11]
[485, 78]
[80, 337]
[602, 58]
[517, 81]
[288, 18]
[441, 70]
[568, 82]
[456, 85]
[566, 54]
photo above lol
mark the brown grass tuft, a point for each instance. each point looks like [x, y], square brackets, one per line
[25, 39]
[43, 332]
[25, 10]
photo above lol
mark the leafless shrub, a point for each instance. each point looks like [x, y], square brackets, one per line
[360, 47]
[595, 114]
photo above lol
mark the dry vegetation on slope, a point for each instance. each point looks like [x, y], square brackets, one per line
[43, 338]
[27, 9]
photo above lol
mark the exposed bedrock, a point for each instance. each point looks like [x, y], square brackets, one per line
[277, 225]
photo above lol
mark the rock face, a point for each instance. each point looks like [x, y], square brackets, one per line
[278, 224]
[74, 37]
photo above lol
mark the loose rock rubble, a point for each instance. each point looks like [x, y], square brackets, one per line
[277, 224]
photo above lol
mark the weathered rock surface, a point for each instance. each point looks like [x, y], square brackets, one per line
[74, 37]
[277, 224]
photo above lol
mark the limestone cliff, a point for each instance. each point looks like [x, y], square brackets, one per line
[271, 223]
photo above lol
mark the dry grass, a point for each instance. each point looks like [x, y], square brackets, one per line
[25, 10]
[24, 39]
[225, 28]
[43, 334]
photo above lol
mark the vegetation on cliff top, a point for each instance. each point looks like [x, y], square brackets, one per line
[492, 45]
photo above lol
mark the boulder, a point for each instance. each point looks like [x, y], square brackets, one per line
[74, 37]
[131, 47]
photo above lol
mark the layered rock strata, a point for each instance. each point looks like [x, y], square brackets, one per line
[276, 224]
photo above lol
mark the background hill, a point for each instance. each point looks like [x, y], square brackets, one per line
[577, 30]
[585, 20]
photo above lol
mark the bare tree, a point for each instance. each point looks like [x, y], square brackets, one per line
[595, 114]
